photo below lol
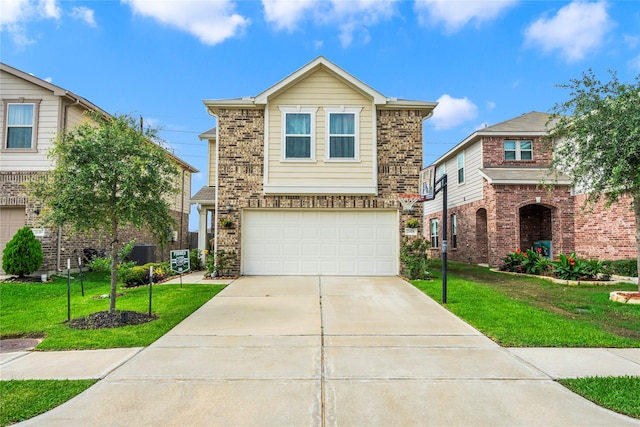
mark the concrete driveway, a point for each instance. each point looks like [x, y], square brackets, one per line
[326, 351]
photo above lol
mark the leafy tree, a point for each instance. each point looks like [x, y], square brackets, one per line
[596, 139]
[109, 175]
[23, 253]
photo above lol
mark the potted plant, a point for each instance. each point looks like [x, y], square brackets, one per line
[226, 222]
[413, 223]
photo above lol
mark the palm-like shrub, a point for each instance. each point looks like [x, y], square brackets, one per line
[23, 254]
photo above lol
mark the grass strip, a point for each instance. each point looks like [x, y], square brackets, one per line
[40, 309]
[514, 321]
[24, 399]
[619, 394]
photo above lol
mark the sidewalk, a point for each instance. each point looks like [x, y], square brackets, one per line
[316, 351]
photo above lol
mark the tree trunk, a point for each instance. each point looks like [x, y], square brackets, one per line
[636, 210]
[114, 264]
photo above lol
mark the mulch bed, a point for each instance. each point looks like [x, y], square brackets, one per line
[105, 319]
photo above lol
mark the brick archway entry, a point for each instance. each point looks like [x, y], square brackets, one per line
[536, 223]
[482, 237]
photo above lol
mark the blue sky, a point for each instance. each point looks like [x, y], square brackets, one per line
[484, 61]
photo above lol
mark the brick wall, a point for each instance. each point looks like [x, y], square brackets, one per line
[606, 233]
[241, 171]
[493, 153]
[13, 192]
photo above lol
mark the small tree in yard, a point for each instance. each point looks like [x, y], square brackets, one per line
[23, 254]
[109, 175]
[596, 140]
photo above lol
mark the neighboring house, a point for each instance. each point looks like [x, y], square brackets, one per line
[308, 172]
[32, 113]
[498, 201]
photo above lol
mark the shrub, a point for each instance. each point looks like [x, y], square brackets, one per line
[413, 223]
[568, 267]
[624, 267]
[23, 253]
[136, 277]
[195, 259]
[513, 262]
[413, 255]
[218, 264]
[100, 264]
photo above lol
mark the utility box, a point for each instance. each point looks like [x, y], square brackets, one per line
[143, 254]
[544, 246]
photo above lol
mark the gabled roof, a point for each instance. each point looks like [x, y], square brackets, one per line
[59, 91]
[530, 124]
[208, 134]
[205, 195]
[56, 90]
[260, 100]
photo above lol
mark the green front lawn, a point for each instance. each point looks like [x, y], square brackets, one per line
[620, 394]
[529, 312]
[25, 399]
[40, 309]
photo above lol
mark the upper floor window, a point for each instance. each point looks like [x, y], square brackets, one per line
[21, 125]
[441, 171]
[298, 128]
[342, 133]
[461, 168]
[518, 150]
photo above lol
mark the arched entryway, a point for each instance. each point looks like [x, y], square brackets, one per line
[536, 224]
[482, 237]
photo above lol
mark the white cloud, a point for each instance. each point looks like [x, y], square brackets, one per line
[491, 105]
[452, 112]
[17, 13]
[211, 21]
[575, 30]
[84, 14]
[455, 14]
[352, 17]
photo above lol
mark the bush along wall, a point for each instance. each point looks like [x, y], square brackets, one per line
[564, 267]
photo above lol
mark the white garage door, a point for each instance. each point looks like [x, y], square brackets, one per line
[340, 242]
[11, 220]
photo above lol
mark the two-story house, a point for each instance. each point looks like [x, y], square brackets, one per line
[307, 174]
[498, 201]
[32, 113]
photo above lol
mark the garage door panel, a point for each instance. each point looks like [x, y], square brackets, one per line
[357, 242]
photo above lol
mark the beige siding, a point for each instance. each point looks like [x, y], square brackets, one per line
[15, 88]
[180, 202]
[212, 164]
[321, 89]
[460, 194]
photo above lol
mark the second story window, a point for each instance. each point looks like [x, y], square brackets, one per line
[518, 150]
[297, 135]
[20, 126]
[461, 168]
[342, 135]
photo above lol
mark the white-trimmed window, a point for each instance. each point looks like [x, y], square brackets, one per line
[518, 150]
[434, 232]
[454, 231]
[298, 127]
[461, 168]
[343, 133]
[441, 171]
[21, 125]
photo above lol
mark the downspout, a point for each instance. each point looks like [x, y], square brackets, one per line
[64, 131]
[182, 208]
[215, 219]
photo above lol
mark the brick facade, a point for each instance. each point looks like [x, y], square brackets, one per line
[493, 152]
[241, 171]
[13, 193]
[605, 233]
